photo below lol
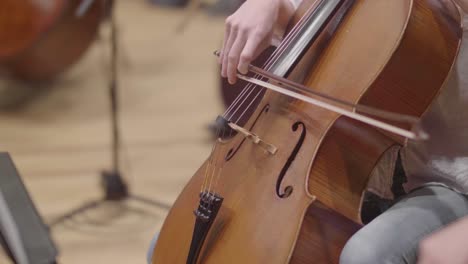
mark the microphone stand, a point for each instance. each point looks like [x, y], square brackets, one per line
[115, 187]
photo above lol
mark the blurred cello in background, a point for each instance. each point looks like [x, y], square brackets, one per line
[287, 186]
[42, 38]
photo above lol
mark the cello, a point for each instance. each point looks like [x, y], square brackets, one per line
[287, 186]
[42, 38]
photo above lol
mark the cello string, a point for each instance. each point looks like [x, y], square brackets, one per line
[208, 165]
[301, 22]
[215, 166]
[273, 59]
[248, 106]
[279, 51]
[250, 88]
[229, 117]
[237, 99]
[220, 170]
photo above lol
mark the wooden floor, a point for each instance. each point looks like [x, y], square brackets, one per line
[59, 136]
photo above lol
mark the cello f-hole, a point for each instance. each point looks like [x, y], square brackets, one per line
[289, 189]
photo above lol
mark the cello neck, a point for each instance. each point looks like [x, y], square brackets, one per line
[323, 16]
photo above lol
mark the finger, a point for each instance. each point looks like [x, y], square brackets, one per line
[226, 36]
[233, 57]
[226, 50]
[254, 46]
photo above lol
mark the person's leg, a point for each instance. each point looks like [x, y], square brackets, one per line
[393, 237]
[149, 254]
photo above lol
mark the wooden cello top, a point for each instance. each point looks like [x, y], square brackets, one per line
[290, 206]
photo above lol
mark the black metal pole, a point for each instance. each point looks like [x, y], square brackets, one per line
[115, 186]
[114, 98]
[116, 189]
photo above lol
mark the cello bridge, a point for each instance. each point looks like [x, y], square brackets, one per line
[270, 148]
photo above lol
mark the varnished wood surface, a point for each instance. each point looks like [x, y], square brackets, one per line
[403, 78]
[323, 233]
[250, 203]
[371, 36]
[59, 138]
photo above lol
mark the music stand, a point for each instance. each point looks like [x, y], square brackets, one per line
[23, 234]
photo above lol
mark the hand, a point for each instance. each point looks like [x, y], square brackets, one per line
[449, 245]
[249, 31]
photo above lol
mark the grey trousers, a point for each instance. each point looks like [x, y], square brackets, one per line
[393, 236]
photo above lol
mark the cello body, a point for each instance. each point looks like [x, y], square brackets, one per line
[42, 38]
[301, 204]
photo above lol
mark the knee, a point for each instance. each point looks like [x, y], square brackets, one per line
[358, 251]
